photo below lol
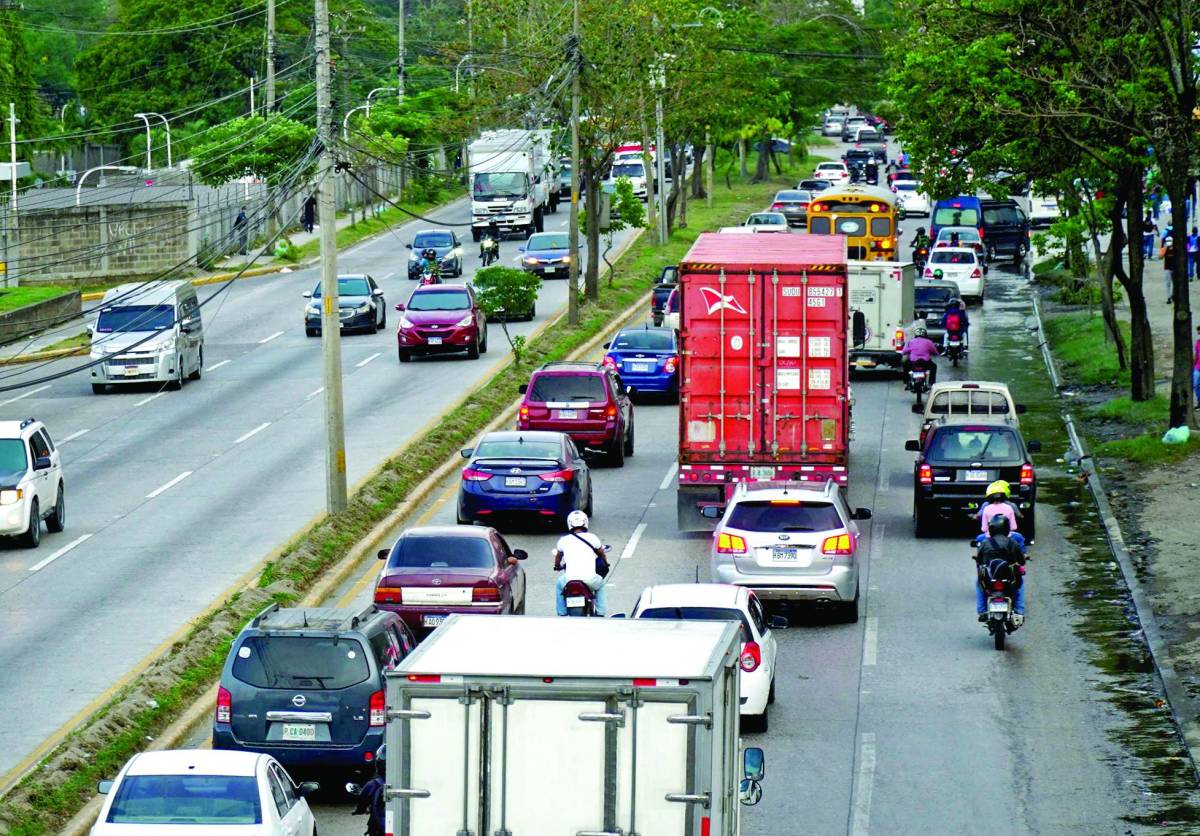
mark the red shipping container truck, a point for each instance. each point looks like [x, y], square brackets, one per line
[764, 391]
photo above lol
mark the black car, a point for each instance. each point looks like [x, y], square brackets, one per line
[564, 178]
[361, 306]
[1005, 229]
[658, 302]
[447, 246]
[930, 300]
[961, 456]
[305, 685]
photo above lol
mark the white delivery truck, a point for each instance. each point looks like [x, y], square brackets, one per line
[881, 308]
[567, 726]
[511, 180]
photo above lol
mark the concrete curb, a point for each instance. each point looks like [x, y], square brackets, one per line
[52, 354]
[1184, 708]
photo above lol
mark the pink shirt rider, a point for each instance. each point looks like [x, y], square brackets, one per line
[992, 509]
[1196, 365]
[920, 348]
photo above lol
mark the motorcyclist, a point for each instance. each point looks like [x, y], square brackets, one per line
[371, 798]
[430, 265]
[998, 545]
[998, 502]
[490, 233]
[577, 554]
[919, 353]
[921, 239]
[955, 321]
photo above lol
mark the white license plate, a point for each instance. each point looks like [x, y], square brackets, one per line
[568, 413]
[762, 473]
[976, 476]
[998, 605]
[432, 620]
[641, 367]
[918, 375]
[514, 481]
[576, 601]
[299, 731]
[435, 340]
[131, 371]
[790, 555]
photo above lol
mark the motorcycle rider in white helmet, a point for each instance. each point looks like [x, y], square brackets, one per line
[576, 554]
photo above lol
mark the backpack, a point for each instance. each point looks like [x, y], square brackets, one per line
[953, 321]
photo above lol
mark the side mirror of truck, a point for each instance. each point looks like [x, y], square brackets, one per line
[916, 409]
[754, 764]
[861, 514]
[1034, 446]
[749, 792]
[912, 445]
[1021, 409]
[710, 512]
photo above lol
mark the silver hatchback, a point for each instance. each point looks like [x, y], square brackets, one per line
[789, 542]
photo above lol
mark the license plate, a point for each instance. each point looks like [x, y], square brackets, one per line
[998, 605]
[784, 554]
[918, 375]
[762, 473]
[131, 371]
[976, 476]
[435, 340]
[514, 481]
[641, 367]
[575, 601]
[568, 413]
[432, 620]
[299, 731]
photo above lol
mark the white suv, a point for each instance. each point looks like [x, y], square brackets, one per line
[31, 482]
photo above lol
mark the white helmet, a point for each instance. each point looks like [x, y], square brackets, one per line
[577, 519]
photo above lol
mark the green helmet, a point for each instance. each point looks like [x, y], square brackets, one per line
[937, 274]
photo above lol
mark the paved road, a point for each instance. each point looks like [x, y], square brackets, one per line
[178, 494]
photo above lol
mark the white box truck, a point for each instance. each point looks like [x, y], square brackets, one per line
[568, 726]
[881, 308]
[512, 175]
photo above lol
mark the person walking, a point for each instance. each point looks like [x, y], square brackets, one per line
[1168, 254]
[1196, 370]
[1149, 236]
[241, 231]
[309, 219]
[1193, 255]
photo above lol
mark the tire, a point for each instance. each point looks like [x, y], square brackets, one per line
[755, 723]
[616, 453]
[921, 526]
[196, 375]
[177, 384]
[383, 322]
[311, 332]
[521, 609]
[476, 234]
[461, 520]
[404, 354]
[473, 351]
[629, 440]
[849, 610]
[920, 393]
[999, 633]
[587, 508]
[771, 693]
[956, 356]
[1031, 525]
[99, 388]
[991, 253]
[57, 521]
[33, 536]
[1022, 251]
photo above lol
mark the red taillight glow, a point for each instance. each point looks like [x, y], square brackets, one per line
[838, 544]
[705, 826]
[472, 475]
[751, 657]
[671, 364]
[224, 706]
[975, 274]
[610, 362]
[557, 476]
[730, 544]
[424, 677]
[775, 207]
[1026, 474]
[981, 232]
[378, 709]
[486, 594]
[925, 475]
[898, 340]
[524, 413]
[998, 586]
[389, 595]
[611, 412]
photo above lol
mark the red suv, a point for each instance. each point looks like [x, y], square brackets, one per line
[440, 318]
[586, 401]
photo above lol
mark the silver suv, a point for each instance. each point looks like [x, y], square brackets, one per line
[31, 482]
[790, 542]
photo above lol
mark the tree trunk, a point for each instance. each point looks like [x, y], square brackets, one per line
[681, 175]
[591, 282]
[1104, 271]
[762, 171]
[1181, 324]
[742, 156]
[698, 190]
[1141, 349]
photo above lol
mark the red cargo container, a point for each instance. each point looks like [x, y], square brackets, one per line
[764, 392]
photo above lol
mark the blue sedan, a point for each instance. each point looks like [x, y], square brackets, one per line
[547, 254]
[523, 473]
[647, 359]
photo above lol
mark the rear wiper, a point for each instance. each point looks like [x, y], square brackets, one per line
[320, 679]
[796, 528]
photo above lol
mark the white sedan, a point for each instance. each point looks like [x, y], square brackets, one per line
[834, 172]
[960, 265]
[202, 792]
[768, 222]
[909, 196]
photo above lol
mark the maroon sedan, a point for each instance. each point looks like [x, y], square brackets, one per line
[437, 570]
[441, 318]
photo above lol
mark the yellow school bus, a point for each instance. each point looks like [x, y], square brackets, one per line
[866, 215]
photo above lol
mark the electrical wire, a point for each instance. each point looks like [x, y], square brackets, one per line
[221, 21]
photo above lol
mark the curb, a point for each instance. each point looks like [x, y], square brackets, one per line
[52, 354]
[1184, 708]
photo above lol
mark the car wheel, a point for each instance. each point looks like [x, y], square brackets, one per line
[850, 609]
[311, 332]
[404, 354]
[177, 383]
[616, 453]
[755, 723]
[521, 609]
[33, 536]
[1030, 525]
[483, 349]
[921, 526]
[461, 520]
[57, 521]
[629, 440]
[991, 253]
[473, 351]
[673, 394]
[771, 693]
[99, 388]
[1022, 251]
[199, 366]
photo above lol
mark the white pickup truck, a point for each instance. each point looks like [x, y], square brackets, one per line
[881, 308]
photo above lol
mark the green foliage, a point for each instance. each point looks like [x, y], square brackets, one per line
[252, 145]
[1080, 344]
[17, 83]
[1148, 449]
[625, 211]
[506, 292]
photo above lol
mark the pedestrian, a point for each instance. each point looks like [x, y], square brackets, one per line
[1149, 235]
[1193, 254]
[241, 230]
[1156, 200]
[310, 213]
[1196, 370]
[1168, 256]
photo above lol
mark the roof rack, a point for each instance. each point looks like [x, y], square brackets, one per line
[254, 622]
[26, 423]
[582, 364]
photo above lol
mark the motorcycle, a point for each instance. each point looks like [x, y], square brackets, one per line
[955, 350]
[920, 257]
[918, 382]
[999, 593]
[579, 597]
[489, 250]
[430, 277]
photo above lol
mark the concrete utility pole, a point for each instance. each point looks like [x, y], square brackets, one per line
[659, 75]
[400, 71]
[573, 219]
[12, 146]
[335, 431]
[648, 165]
[708, 167]
[252, 79]
[270, 57]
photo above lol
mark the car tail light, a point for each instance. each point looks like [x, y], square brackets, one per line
[838, 544]
[472, 475]
[610, 362]
[524, 412]
[671, 364]
[378, 710]
[424, 677]
[1026, 474]
[557, 476]
[981, 233]
[751, 657]
[224, 706]
[925, 475]
[975, 274]
[489, 594]
[775, 207]
[389, 595]
[730, 543]
[611, 412]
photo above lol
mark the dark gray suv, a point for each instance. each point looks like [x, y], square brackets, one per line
[305, 685]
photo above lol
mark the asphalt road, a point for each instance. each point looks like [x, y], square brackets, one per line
[172, 496]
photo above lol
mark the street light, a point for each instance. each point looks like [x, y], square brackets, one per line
[372, 93]
[458, 67]
[146, 119]
[128, 169]
[167, 125]
[346, 121]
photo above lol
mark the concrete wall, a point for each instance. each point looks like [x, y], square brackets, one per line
[31, 319]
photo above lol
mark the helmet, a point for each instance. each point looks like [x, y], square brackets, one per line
[998, 525]
[937, 274]
[920, 230]
[922, 331]
[999, 487]
[430, 253]
[577, 519]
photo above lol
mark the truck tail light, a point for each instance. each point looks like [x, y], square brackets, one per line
[224, 706]
[838, 544]
[898, 340]
[557, 476]
[425, 677]
[610, 362]
[489, 594]
[471, 475]
[378, 709]
[389, 595]
[730, 543]
[671, 364]
[751, 657]
[1026, 474]
[925, 475]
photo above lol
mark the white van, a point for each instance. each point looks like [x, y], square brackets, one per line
[147, 333]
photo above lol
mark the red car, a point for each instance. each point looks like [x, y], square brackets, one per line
[587, 401]
[437, 570]
[441, 318]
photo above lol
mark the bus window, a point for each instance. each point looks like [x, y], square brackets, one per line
[881, 227]
[818, 226]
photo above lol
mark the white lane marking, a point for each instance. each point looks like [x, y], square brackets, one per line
[314, 393]
[268, 339]
[253, 432]
[871, 642]
[860, 823]
[877, 541]
[216, 366]
[669, 479]
[145, 401]
[73, 436]
[25, 395]
[388, 276]
[362, 363]
[563, 225]
[627, 552]
[169, 485]
[885, 478]
[42, 564]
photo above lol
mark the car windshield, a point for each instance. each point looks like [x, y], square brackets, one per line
[974, 444]
[644, 340]
[548, 241]
[777, 516]
[699, 614]
[926, 296]
[628, 170]
[955, 216]
[432, 239]
[186, 799]
[135, 318]
[12, 455]
[300, 662]
[558, 388]
[495, 184]
[347, 287]
[440, 300]
[430, 551]
[518, 449]
[952, 257]
[966, 234]
[793, 196]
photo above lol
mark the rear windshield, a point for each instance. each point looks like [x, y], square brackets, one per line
[965, 235]
[951, 257]
[968, 401]
[781, 515]
[301, 662]
[645, 340]
[518, 449]
[567, 387]
[136, 318]
[793, 196]
[951, 216]
[814, 185]
[186, 799]
[433, 239]
[1001, 216]
[628, 170]
[933, 296]
[974, 444]
[699, 614]
[440, 300]
[433, 552]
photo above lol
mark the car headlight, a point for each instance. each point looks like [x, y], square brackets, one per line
[531, 261]
[363, 308]
[405, 322]
[12, 496]
[521, 206]
[165, 346]
[466, 321]
[412, 256]
[313, 309]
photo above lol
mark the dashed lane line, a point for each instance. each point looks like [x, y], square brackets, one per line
[25, 395]
[362, 363]
[73, 436]
[627, 552]
[253, 432]
[153, 397]
[169, 485]
[860, 822]
[266, 340]
[669, 479]
[216, 366]
[42, 564]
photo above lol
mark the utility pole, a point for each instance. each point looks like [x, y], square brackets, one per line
[573, 220]
[660, 150]
[708, 167]
[270, 57]
[12, 145]
[251, 95]
[400, 77]
[335, 432]
[647, 164]
[470, 49]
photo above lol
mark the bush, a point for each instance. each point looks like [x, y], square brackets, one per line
[506, 292]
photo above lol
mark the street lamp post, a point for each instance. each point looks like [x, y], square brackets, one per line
[372, 93]
[458, 67]
[128, 169]
[346, 120]
[167, 125]
[149, 159]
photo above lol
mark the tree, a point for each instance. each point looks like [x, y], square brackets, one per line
[506, 293]
[274, 149]
[17, 76]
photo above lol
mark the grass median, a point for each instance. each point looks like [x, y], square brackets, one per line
[65, 780]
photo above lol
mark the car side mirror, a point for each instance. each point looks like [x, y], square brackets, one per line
[306, 294]
[1034, 446]
[408, 246]
[104, 787]
[608, 345]
[382, 554]
[44, 463]
[1021, 409]
[307, 788]
[523, 388]
[90, 330]
[400, 306]
[520, 554]
[861, 514]
[916, 409]
[467, 452]
[710, 512]
[754, 764]
[912, 445]
[377, 291]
